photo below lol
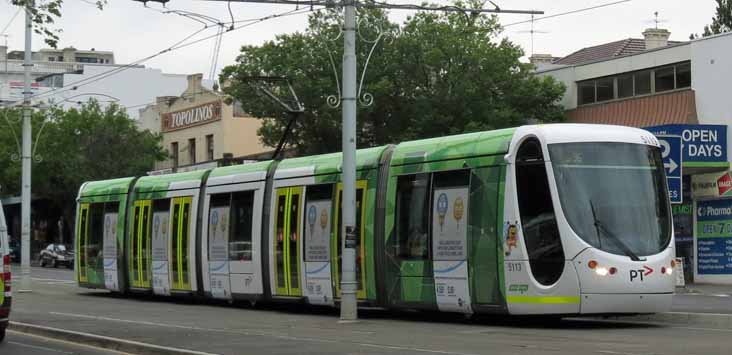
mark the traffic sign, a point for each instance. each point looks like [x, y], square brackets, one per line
[671, 153]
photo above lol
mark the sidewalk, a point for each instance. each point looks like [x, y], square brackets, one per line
[705, 289]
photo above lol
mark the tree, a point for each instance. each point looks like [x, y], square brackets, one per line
[436, 74]
[44, 14]
[78, 145]
[721, 22]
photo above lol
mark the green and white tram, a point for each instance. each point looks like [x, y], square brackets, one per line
[548, 219]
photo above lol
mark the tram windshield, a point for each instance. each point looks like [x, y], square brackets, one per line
[613, 195]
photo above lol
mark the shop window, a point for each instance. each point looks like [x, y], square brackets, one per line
[642, 82]
[664, 79]
[192, 151]
[412, 216]
[210, 147]
[586, 92]
[605, 89]
[625, 86]
[174, 153]
[683, 75]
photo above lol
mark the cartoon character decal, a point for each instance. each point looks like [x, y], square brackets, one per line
[510, 235]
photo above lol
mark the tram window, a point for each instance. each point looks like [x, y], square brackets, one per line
[412, 216]
[184, 241]
[175, 230]
[452, 178]
[280, 242]
[317, 245]
[539, 225]
[96, 237]
[145, 245]
[135, 244]
[82, 247]
[240, 240]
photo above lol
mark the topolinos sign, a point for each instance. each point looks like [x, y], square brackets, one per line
[703, 145]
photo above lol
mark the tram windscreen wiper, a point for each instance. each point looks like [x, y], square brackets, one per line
[599, 226]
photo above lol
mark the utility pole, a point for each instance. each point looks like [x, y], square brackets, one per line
[349, 309]
[25, 216]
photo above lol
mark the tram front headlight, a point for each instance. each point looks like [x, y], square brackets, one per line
[602, 271]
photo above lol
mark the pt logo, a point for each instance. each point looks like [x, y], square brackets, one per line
[640, 273]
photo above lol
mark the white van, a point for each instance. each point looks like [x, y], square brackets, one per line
[4, 275]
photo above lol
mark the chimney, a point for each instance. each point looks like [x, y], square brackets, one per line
[538, 59]
[195, 83]
[656, 37]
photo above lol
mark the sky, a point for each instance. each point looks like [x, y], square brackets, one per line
[133, 32]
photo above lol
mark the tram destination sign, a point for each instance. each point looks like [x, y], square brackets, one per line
[192, 116]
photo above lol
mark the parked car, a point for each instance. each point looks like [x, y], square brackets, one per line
[14, 251]
[55, 255]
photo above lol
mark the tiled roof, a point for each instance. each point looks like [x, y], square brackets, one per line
[606, 51]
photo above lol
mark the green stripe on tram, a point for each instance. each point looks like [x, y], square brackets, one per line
[544, 299]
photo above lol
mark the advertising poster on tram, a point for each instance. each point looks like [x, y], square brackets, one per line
[318, 288]
[218, 252]
[160, 229]
[450, 249]
[110, 252]
[714, 237]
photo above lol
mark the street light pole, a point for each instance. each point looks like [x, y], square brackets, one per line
[26, 158]
[349, 310]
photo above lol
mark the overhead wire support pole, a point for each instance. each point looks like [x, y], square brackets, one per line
[25, 211]
[349, 310]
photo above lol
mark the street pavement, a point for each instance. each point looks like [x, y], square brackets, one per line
[22, 344]
[292, 329]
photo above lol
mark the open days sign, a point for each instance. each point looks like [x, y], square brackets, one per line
[701, 143]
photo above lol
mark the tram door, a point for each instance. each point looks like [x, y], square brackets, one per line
[179, 244]
[140, 245]
[360, 249]
[82, 242]
[286, 242]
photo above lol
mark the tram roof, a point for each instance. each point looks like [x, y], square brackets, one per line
[186, 180]
[262, 166]
[453, 147]
[331, 163]
[106, 187]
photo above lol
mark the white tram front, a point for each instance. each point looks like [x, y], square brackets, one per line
[587, 226]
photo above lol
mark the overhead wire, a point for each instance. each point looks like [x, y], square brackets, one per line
[11, 20]
[567, 13]
[178, 45]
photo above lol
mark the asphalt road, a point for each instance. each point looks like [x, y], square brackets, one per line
[22, 344]
[293, 329]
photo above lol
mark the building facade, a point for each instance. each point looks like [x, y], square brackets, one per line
[55, 73]
[672, 89]
[199, 128]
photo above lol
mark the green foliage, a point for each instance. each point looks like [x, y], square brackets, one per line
[74, 146]
[721, 22]
[436, 74]
[44, 14]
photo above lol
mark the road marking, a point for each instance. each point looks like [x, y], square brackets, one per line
[259, 333]
[39, 347]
